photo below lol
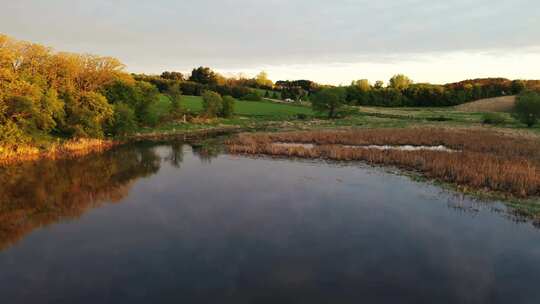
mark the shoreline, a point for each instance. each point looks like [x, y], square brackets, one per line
[67, 149]
[81, 147]
[78, 148]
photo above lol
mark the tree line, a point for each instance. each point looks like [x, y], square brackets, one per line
[204, 79]
[401, 92]
[44, 93]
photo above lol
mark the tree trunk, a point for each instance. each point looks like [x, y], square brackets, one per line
[331, 112]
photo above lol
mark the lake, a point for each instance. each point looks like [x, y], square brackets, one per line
[172, 223]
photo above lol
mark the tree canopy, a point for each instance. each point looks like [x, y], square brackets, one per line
[44, 92]
[329, 101]
[400, 82]
[263, 80]
[527, 108]
[204, 75]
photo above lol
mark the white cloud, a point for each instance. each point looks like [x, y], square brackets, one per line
[330, 41]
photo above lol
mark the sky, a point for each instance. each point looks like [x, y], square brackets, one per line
[331, 42]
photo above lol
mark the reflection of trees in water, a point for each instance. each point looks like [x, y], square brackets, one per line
[207, 150]
[35, 194]
[176, 156]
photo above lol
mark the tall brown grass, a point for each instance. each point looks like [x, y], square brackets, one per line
[70, 148]
[487, 161]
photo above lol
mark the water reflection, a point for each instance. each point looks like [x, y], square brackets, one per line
[250, 230]
[36, 194]
[208, 149]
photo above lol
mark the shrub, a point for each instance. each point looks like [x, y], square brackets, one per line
[301, 116]
[228, 107]
[493, 119]
[239, 92]
[253, 96]
[212, 104]
[124, 119]
[527, 108]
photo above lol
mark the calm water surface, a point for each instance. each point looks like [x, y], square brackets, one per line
[171, 224]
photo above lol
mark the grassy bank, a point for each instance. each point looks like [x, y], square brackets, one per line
[251, 114]
[54, 150]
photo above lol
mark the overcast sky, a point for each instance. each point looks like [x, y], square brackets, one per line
[327, 41]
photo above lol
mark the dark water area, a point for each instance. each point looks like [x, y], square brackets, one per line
[168, 223]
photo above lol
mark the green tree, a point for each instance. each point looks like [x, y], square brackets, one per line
[204, 75]
[141, 96]
[329, 101]
[11, 134]
[228, 107]
[88, 114]
[175, 94]
[518, 86]
[212, 103]
[379, 84]
[400, 82]
[52, 109]
[149, 97]
[124, 120]
[172, 76]
[25, 112]
[527, 109]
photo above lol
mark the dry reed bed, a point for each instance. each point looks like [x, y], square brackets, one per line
[487, 161]
[71, 148]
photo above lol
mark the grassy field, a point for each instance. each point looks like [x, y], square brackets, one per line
[252, 108]
[449, 116]
[267, 114]
[497, 104]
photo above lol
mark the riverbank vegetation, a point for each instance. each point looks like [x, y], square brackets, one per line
[476, 159]
[46, 96]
